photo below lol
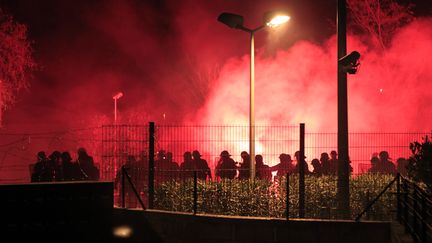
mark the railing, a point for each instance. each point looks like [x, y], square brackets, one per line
[277, 197]
[415, 211]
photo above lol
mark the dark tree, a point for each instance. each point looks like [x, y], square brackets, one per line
[420, 162]
[16, 61]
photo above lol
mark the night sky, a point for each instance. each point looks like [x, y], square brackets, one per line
[159, 53]
[176, 64]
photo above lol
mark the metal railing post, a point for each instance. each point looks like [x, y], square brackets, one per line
[151, 163]
[415, 216]
[398, 198]
[287, 203]
[301, 165]
[423, 215]
[122, 187]
[405, 208]
[195, 193]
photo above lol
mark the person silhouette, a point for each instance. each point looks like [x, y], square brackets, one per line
[187, 167]
[86, 164]
[201, 165]
[285, 166]
[262, 170]
[226, 167]
[41, 170]
[244, 170]
[326, 164]
[318, 171]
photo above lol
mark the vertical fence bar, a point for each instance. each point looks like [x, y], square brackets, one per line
[195, 193]
[287, 196]
[301, 166]
[415, 216]
[151, 163]
[423, 218]
[122, 187]
[398, 197]
[405, 206]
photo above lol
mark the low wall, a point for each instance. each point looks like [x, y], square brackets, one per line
[174, 227]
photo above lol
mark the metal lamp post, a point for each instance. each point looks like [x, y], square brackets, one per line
[270, 19]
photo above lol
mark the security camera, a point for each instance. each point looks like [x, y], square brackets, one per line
[350, 62]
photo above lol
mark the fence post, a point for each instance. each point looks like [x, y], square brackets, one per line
[301, 165]
[423, 218]
[122, 187]
[398, 197]
[151, 163]
[415, 217]
[287, 196]
[405, 208]
[195, 194]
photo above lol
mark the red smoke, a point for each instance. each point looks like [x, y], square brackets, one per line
[175, 59]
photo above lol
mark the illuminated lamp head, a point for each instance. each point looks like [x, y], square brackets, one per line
[274, 19]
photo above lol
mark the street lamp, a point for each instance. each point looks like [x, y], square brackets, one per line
[271, 19]
[116, 97]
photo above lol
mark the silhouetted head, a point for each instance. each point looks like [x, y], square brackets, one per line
[196, 154]
[55, 155]
[333, 154]
[315, 163]
[187, 156]
[82, 152]
[285, 158]
[161, 154]
[244, 155]
[41, 155]
[66, 157]
[383, 155]
[259, 159]
[225, 154]
[374, 161]
[324, 157]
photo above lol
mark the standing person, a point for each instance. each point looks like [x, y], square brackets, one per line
[262, 170]
[285, 165]
[299, 161]
[318, 171]
[68, 166]
[226, 167]
[86, 164]
[333, 162]
[402, 164]
[187, 167]
[201, 165]
[327, 167]
[386, 165]
[55, 166]
[244, 170]
[41, 171]
[172, 166]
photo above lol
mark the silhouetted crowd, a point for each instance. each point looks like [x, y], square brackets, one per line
[59, 166]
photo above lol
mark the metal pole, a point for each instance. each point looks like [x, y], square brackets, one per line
[301, 166]
[151, 163]
[343, 161]
[115, 111]
[195, 193]
[398, 195]
[287, 197]
[252, 107]
[122, 186]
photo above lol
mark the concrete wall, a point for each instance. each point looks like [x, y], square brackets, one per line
[174, 227]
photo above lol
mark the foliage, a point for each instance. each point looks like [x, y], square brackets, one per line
[268, 199]
[16, 61]
[379, 18]
[420, 162]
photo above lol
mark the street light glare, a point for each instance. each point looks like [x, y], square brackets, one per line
[278, 20]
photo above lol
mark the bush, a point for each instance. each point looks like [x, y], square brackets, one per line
[268, 199]
[420, 162]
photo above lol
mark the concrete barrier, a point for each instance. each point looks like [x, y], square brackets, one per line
[179, 227]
